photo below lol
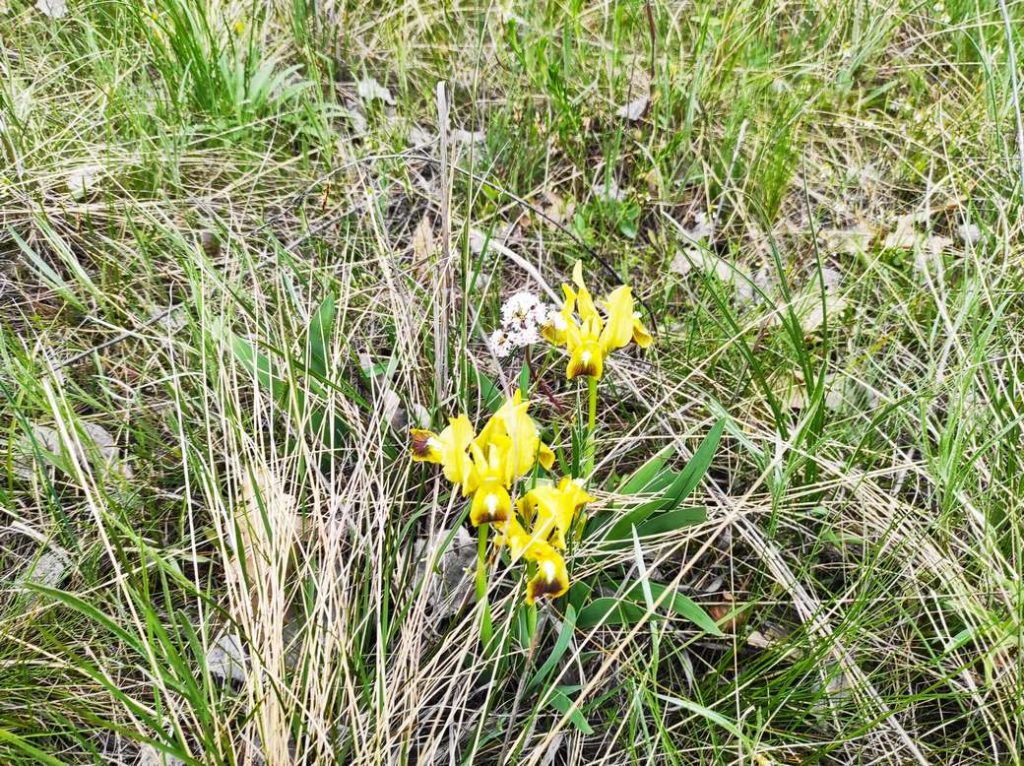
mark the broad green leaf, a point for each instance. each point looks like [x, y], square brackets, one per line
[487, 389]
[670, 521]
[579, 592]
[650, 473]
[260, 365]
[694, 471]
[641, 568]
[610, 611]
[682, 485]
[295, 399]
[524, 378]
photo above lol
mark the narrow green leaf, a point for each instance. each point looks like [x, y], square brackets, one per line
[561, 644]
[24, 746]
[46, 273]
[670, 521]
[706, 713]
[563, 704]
[88, 610]
[318, 336]
[650, 473]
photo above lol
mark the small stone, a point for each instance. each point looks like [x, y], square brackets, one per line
[635, 109]
[210, 243]
[226, 658]
[55, 9]
[82, 181]
[460, 136]
[446, 593]
[608, 192]
[368, 89]
[49, 570]
[150, 756]
[968, 233]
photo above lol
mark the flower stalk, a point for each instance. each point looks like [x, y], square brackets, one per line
[481, 584]
[589, 447]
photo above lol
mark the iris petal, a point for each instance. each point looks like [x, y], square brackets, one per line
[619, 329]
[423, 446]
[491, 504]
[586, 359]
[641, 337]
[551, 580]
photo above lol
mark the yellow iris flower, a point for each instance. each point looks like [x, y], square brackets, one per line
[487, 464]
[491, 502]
[552, 576]
[551, 580]
[513, 430]
[586, 335]
[552, 510]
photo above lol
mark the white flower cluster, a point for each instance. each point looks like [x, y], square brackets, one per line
[522, 316]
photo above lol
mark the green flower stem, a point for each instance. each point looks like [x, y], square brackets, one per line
[588, 454]
[481, 583]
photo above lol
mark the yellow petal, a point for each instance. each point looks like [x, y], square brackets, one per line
[569, 302]
[554, 509]
[553, 516]
[514, 536]
[545, 456]
[585, 307]
[493, 432]
[577, 274]
[491, 504]
[551, 580]
[619, 329]
[554, 333]
[514, 432]
[641, 337]
[577, 495]
[423, 446]
[558, 321]
[487, 462]
[584, 302]
[452, 443]
[586, 359]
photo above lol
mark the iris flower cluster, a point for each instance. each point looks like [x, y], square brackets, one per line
[487, 465]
